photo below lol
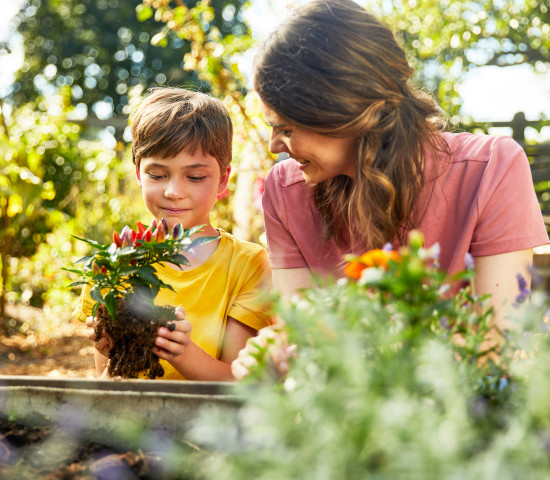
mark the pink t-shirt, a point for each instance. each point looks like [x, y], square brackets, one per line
[480, 200]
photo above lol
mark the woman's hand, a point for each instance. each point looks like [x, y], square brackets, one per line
[104, 344]
[270, 344]
[169, 344]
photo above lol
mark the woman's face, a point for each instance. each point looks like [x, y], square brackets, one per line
[319, 157]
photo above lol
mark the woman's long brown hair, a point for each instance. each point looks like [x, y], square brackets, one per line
[335, 69]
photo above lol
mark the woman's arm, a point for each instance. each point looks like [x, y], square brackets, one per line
[496, 275]
[287, 281]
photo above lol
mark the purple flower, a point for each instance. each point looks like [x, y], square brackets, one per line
[522, 283]
[444, 321]
[469, 261]
[524, 291]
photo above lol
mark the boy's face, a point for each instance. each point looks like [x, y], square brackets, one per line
[182, 189]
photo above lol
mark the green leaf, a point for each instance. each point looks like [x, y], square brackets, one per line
[85, 259]
[148, 276]
[98, 245]
[201, 241]
[110, 303]
[80, 282]
[73, 270]
[180, 259]
[95, 293]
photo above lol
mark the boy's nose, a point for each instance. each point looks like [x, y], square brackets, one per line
[174, 189]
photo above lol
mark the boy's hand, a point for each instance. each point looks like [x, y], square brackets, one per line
[169, 344]
[105, 343]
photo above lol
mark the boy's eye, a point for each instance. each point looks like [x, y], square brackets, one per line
[155, 176]
[196, 179]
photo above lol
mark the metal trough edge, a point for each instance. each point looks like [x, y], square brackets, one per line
[116, 410]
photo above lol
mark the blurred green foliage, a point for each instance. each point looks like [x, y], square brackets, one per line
[380, 387]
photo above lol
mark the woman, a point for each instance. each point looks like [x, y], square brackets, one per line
[370, 161]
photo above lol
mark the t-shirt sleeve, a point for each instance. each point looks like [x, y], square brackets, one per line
[509, 215]
[282, 247]
[85, 305]
[252, 306]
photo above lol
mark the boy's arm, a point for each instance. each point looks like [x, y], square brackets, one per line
[193, 362]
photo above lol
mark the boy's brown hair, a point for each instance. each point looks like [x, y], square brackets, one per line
[171, 120]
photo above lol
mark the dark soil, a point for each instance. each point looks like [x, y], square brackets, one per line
[30, 453]
[133, 333]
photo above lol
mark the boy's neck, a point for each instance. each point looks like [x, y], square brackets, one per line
[203, 252]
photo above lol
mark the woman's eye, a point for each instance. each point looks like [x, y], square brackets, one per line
[284, 133]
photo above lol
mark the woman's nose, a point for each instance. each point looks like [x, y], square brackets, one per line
[276, 144]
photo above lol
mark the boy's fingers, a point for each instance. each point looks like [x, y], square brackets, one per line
[91, 322]
[181, 326]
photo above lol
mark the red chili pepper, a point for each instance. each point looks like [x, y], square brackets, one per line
[148, 234]
[133, 262]
[95, 268]
[137, 242]
[141, 228]
[117, 239]
[104, 269]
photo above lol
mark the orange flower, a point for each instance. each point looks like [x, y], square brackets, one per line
[378, 258]
[354, 269]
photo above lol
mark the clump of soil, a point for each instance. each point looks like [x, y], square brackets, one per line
[133, 334]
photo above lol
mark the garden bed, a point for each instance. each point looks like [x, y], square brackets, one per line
[71, 428]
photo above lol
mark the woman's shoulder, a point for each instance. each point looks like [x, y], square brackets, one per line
[465, 146]
[286, 174]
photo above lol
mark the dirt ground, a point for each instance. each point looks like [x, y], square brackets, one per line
[64, 351]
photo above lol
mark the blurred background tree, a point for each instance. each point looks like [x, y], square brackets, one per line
[88, 63]
[102, 48]
[446, 39]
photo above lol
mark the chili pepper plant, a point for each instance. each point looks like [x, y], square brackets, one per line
[124, 284]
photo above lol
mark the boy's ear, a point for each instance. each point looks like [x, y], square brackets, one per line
[138, 177]
[224, 179]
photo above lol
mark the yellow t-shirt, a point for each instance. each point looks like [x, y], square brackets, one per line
[232, 282]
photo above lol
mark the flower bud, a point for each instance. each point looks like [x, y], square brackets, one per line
[175, 231]
[126, 236]
[117, 239]
[160, 233]
[95, 268]
[165, 225]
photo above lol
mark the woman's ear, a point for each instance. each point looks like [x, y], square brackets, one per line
[138, 177]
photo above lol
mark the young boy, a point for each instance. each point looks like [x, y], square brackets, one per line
[181, 147]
